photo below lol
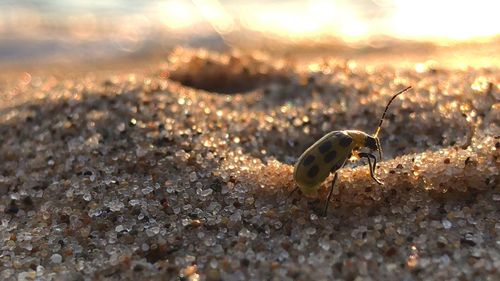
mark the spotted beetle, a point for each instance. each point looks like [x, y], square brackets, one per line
[331, 152]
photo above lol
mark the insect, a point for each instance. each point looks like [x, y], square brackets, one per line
[330, 153]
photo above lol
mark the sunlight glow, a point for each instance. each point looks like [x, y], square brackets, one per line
[442, 20]
[177, 14]
[351, 21]
[216, 15]
[288, 24]
[311, 20]
[445, 19]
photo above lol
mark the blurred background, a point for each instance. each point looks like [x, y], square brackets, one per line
[458, 33]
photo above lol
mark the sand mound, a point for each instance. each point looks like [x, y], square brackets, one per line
[147, 176]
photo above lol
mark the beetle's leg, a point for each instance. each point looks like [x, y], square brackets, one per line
[374, 163]
[372, 167]
[373, 171]
[330, 194]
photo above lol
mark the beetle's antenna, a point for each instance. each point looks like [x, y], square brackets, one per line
[387, 107]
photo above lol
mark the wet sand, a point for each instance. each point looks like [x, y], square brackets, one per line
[183, 169]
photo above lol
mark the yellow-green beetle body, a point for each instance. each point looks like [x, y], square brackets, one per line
[331, 152]
[326, 156]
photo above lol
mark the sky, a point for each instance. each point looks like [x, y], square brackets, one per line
[352, 20]
[47, 28]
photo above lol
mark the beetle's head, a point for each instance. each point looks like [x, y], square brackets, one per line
[373, 143]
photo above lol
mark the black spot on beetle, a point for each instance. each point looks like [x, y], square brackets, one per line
[330, 156]
[324, 147]
[345, 140]
[308, 160]
[313, 171]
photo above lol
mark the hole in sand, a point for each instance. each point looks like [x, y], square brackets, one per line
[226, 74]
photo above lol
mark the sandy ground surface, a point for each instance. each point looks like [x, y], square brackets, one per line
[181, 170]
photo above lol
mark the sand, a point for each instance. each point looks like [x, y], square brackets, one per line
[182, 171]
